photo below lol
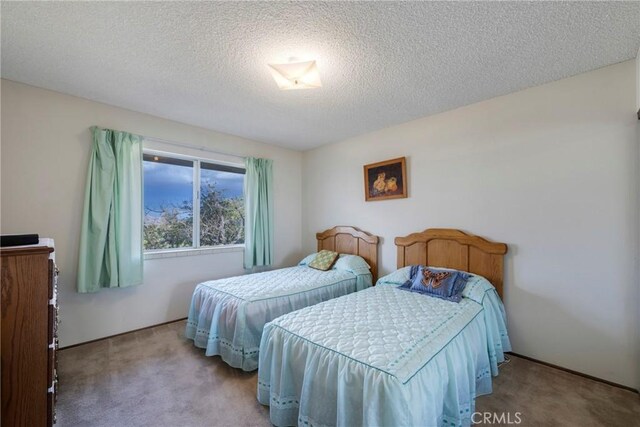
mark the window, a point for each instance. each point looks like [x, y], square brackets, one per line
[191, 202]
[221, 205]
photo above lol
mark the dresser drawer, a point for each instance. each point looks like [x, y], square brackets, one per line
[52, 275]
[51, 366]
[51, 326]
[51, 408]
[52, 392]
[53, 280]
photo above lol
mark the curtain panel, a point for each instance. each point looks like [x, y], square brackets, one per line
[111, 232]
[258, 190]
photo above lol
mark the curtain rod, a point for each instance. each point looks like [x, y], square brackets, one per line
[190, 146]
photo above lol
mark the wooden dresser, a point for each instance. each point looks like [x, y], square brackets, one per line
[29, 334]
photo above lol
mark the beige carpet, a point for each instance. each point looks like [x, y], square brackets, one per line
[157, 378]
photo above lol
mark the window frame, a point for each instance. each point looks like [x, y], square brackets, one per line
[195, 240]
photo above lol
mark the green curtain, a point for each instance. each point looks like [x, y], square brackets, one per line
[111, 234]
[258, 193]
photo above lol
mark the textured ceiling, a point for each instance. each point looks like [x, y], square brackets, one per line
[381, 63]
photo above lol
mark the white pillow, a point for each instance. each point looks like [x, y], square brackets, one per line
[398, 277]
[352, 263]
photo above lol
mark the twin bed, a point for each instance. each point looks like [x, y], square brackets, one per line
[227, 316]
[384, 356]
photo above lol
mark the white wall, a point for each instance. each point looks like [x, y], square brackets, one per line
[638, 81]
[45, 153]
[638, 137]
[553, 172]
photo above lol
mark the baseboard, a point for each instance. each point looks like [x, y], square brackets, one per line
[120, 334]
[580, 374]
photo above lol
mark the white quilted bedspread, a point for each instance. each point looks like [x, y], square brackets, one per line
[386, 328]
[272, 284]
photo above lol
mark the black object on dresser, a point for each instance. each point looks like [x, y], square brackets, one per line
[29, 335]
[19, 239]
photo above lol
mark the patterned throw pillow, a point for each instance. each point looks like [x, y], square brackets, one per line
[306, 260]
[324, 260]
[444, 284]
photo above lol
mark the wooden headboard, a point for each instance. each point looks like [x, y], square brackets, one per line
[451, 248]
[351, 240]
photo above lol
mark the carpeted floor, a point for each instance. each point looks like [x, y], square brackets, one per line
[157, 378]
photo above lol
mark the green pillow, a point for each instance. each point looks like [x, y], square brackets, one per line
[324, 260]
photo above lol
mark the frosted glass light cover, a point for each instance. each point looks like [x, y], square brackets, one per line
[296, 75]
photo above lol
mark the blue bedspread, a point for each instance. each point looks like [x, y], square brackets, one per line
[227, 316]
[383, 357]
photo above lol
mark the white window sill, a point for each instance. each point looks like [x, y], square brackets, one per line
[173, 253]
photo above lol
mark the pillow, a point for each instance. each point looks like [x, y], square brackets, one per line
[324, 260]
[445, 284]
[475, 287]
[398, 277]
[352, 263]
[306, 260]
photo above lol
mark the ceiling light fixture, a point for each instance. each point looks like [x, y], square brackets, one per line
[296, 75]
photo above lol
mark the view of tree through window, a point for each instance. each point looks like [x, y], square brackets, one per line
[221, 205]
[169, 204]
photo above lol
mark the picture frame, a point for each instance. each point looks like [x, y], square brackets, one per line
[385, 180]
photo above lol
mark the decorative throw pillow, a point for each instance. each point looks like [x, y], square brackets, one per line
[306, 260]
[444, 284]
[324, 260]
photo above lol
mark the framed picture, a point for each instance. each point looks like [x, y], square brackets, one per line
[385, 180]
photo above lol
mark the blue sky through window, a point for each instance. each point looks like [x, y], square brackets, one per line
[166, 185]
[169, 185]
[229, 183]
